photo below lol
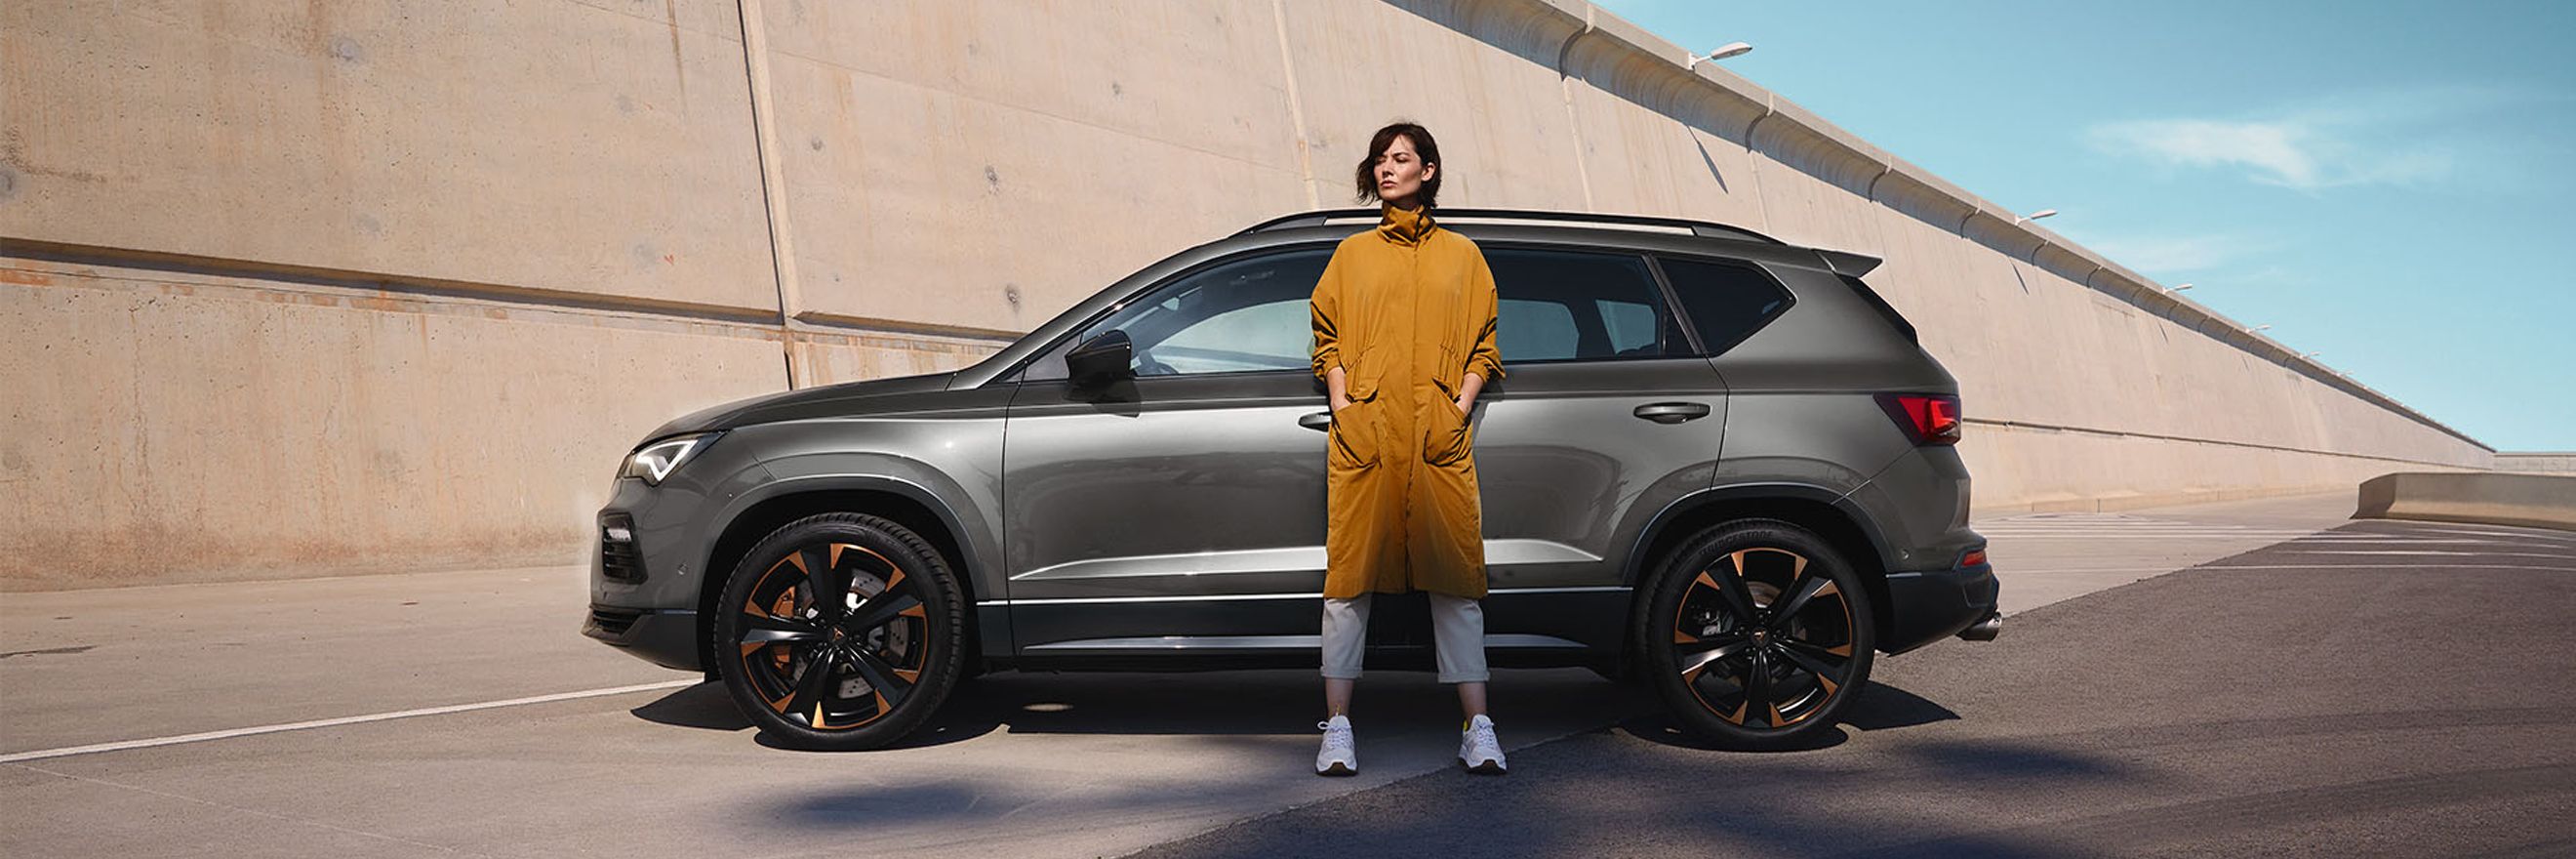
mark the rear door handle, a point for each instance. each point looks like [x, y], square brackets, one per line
[1319, 421]
[1672, 413]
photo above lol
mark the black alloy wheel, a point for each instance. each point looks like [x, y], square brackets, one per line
[1756, 635]
[840, 632]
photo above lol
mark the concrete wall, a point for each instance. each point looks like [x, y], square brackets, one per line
[355, 287]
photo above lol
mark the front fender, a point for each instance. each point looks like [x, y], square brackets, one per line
[974, 541]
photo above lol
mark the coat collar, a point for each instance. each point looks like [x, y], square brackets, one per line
[1406, 227]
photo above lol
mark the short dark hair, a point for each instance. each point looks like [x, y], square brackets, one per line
[1423, 145]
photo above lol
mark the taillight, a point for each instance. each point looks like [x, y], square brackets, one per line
[1974, 557]
[1926, 418]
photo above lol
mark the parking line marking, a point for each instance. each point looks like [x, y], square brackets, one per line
[2297, 551]
[122, 745]
[2358, 567]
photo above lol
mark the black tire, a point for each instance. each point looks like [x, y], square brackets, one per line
[1736, 653]
[894, 642]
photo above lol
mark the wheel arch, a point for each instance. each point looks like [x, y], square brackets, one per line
[1842, 525]
[896, 501]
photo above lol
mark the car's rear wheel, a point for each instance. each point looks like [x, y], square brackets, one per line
[1756, 634]
[840, 631]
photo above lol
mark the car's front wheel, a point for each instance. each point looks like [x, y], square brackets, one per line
[1755, 634]
[840, 631]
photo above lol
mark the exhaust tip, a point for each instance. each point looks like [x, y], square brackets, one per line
[1985, 629]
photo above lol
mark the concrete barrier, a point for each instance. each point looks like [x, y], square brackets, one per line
[2533, 500]
[2545, 461]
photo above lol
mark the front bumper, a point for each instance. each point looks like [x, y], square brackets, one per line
[1929, 605]
[665, 638]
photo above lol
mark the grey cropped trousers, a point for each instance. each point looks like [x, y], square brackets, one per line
[1457, 629]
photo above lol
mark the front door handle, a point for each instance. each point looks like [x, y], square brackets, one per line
[1672, 413]
[1319, 421]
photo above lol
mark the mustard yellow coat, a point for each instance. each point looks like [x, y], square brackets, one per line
[1406, 311]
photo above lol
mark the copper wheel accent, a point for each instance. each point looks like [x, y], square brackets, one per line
[834, 635]
[1762, 643]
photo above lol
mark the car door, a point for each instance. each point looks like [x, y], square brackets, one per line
[1180, 511]
[1605, 414]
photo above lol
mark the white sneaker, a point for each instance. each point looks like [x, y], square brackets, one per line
[1340, 755]
[1478, 751]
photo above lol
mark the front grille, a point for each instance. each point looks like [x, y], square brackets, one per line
[613, 621]
[619, 560]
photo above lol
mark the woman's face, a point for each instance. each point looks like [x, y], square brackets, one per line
[1400, 172]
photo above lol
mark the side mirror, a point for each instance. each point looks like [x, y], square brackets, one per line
[1101, 360]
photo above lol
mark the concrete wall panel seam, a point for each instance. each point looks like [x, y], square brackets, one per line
[2017, 424]
[782, 256]
[1574, 123]
[73, 258]
[1296, 106]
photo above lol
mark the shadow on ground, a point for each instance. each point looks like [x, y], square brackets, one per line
[1276, 703]
[1880, 707]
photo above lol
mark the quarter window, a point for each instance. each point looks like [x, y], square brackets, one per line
[1727, 301]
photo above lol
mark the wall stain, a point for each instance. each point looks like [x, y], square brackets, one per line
[13, 152]
[671, 16]
[51, 651]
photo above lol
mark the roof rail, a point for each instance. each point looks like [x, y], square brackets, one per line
[1704, 229]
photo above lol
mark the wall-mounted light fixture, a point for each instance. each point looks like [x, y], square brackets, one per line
[1730, 49]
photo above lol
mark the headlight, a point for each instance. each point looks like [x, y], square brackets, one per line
[656, 461]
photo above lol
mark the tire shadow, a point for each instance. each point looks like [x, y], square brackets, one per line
[1880, 707]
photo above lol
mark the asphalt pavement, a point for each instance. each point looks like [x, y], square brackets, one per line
[2384, 689]
[460, 714]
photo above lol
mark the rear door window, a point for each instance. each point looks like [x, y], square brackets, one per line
[1579, 306]
[1727, 300]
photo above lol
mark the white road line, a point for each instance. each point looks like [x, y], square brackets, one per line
[1991, 532]
[2110, 526]
[2008, 572]
[2411, 541]
[2366, 568]
[2106, 528]
[121, 745]
[2420, 527]
[2132, 528]
[2171, 537]
[2298, 551]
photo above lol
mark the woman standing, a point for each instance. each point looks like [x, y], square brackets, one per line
[1404, 340]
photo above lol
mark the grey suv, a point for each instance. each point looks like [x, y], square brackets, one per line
[1719, 465]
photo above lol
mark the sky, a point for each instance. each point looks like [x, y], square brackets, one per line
[2386, 184]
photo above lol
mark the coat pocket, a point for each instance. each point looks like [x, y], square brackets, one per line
[1354, 435]
[1360, 375]
[1447, 434]
[1449, 437]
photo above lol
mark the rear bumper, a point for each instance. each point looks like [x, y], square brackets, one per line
[1929, 605]
[665, 638]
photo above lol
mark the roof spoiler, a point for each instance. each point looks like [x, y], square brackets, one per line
[1849, 264]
